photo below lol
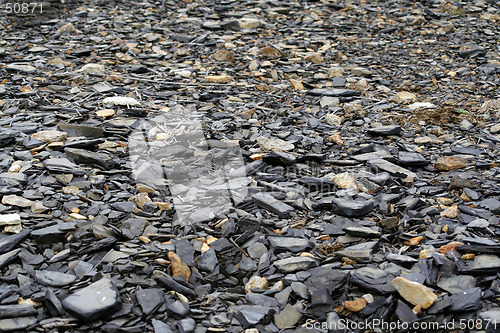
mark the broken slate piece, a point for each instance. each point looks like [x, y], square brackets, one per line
[271, 204]
[98, 300]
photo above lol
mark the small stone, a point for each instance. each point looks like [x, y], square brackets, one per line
[389, 223]
[98, 300]
[414, 241]
[352, 208]
[20, 68]
[288, 317]
[49, 136]
[450, 212]
[384, 130]
[294, 264]
[223, 55]
[333, 119]
[336, 138]
[414, 292]
[274, 144]
[67, 28]
[256, 282]
[150, 299]
[457, 283]
[345, 180]
[218, 78]
[15, 200]
[106, 113]
[449, 247]
[465, 125]
[356, 305]
[121, 100]
[10, 219]
[495, 129]
[296, 84]
[178, 267]
[404, 97]
[93, 69]
[271, 204]
[55, 279]
[447, 163]
[248, 23]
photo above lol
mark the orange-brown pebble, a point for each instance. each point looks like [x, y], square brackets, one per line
[356, 305]
[449, 247]
[414, 241]
[468, 256]
[178, 267]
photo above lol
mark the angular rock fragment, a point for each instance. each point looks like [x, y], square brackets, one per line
[415, 293]
[95, 301]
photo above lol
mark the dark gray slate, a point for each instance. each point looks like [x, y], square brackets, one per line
[95, 301]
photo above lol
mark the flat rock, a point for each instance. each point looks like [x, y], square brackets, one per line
[271, 204]
[334, 92]
[374, 280]
[20, 68]
[294, 264]
[292, 244]
[95, 301]
[288, 317]
[54, 279]
[466, 300]
[10, 219]
[414, 292]
[17, 324]
[150, 299]
[274, 144]
[384, 130]
[393, 169]
[49, 136]
[447, 163]
[352, 208]
[457, 283]
[63, 165]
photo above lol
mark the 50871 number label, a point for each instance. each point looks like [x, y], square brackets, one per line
[15, 8]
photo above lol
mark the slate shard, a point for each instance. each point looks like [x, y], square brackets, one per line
[98, 300]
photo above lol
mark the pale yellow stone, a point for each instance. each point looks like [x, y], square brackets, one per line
[404, 97]
[450, 212]
[105, 113]
[218, 78]
[77, 216]
[256, 282]
[414, 292]
[445, 201]
[49, 136]
[333, 119]
[296, 84]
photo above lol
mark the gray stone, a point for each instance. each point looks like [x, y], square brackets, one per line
[457, 283]
[208, 261]
[150, 299]
[95, 301]
[54, 279]
[352, 208]
[271, 204]
[63, 165]
[294, 264]
[256, 250]
[16, 324]
[374, 280]
[293, 244]
[288, 317]
[361, 252]
[393, 169]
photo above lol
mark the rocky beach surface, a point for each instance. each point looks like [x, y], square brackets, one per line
[250, 166]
